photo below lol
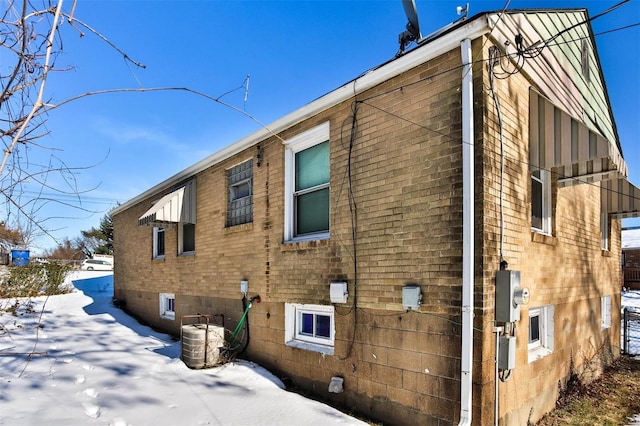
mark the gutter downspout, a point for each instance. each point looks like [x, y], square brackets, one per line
[468, 229]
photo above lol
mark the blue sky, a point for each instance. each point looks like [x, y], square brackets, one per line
[294, 51]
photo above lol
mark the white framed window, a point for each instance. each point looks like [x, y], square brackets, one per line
[307, 185]
[541, 332]
[240, 193]
[604, 231]
[158, 242]
[310, 327]
[186, 238]
[168, 306]
[605, 312]
[541, 201]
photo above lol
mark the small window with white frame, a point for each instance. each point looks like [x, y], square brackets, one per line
[605, 312]
[307, 185]
[168, 306]
[158, 242]
[310, 327]
[541, 332]
[187, 222]
[541, 201]
[604, 231]
[186, 238]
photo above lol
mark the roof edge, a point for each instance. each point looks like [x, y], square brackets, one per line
[470, 29]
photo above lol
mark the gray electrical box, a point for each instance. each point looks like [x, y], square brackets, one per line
[411, 297]
[507, 310]
[507, 353]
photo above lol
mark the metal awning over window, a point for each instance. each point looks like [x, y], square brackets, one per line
[557, 140]
[177, 206]
[620, 198]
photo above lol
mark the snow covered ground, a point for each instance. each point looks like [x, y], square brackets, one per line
[631, 299]
[631, 302]
[95, 365]
[630, 237]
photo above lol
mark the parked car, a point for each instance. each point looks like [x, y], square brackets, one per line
[96, 264]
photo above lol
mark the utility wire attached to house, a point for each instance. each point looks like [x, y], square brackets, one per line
[493, 53]
[537, 48]
[353, 213]
[553, 172]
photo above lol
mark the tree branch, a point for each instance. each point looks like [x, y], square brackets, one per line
[38, 104]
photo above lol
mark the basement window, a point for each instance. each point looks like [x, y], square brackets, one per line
[540, 332]
[605, 311]
[310, 327]
[168, 306]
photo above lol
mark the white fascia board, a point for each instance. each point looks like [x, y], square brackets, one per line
[443, 44]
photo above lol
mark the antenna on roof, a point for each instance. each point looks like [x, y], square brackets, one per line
[413, 27]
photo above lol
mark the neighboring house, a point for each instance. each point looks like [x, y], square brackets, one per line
[411, 186]
[631, 257]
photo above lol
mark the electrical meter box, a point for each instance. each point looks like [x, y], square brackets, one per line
[507, 310]
[507, 353]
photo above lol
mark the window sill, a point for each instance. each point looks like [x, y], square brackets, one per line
[158, 258]
[187, 254]
[326, 350]
[539, 237]
[238, 228]
[538, 353]
[605, 253]
[307, 244]
[167, 316]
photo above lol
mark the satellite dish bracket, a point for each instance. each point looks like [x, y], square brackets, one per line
[413, 27]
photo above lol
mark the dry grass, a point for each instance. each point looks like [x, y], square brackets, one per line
[610, 400]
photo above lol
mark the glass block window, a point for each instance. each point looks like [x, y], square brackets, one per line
[240, 188]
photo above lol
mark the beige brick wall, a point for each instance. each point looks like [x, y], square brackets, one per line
[407, 184]
[567, 270]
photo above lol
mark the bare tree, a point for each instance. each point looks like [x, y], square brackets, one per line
[30, 43]
[68, 250]
[10, 238]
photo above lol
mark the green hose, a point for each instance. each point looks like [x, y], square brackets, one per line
[238, 328]
[233, 339]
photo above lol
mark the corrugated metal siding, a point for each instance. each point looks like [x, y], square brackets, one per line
[557, 71]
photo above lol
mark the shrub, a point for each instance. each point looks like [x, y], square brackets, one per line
[35, 279]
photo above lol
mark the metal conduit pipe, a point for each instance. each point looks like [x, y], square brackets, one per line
[468, 230]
